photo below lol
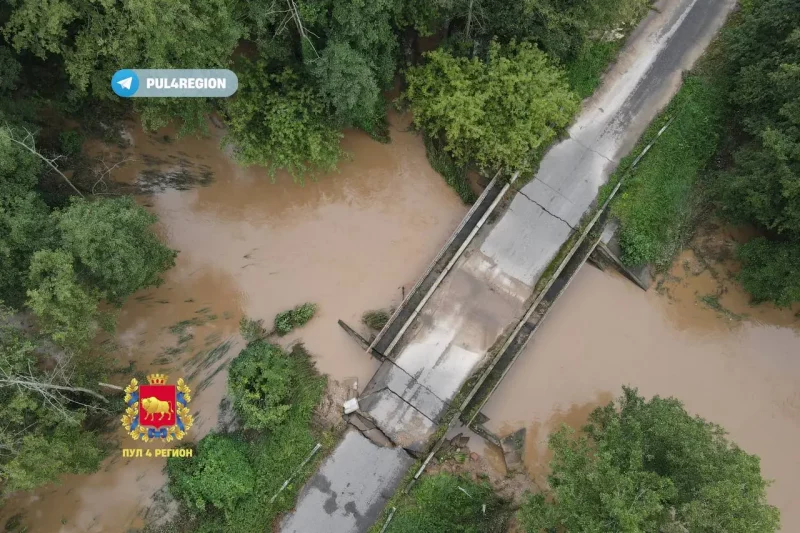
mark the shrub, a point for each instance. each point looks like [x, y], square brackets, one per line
[495, 113]
[262, 380]
[444, 502]
[286, 321]
[251, 329]
[71, 142]
[376, 319]
[219, 474]
[771, 270]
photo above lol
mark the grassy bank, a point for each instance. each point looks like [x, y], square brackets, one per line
[586, 70]
[445, 502]
[660, 198]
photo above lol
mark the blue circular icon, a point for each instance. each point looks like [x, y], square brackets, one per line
[125, 83]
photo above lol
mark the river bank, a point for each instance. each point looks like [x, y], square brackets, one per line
[248, 247]
[693, 336]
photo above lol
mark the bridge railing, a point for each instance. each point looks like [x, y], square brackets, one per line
[415, 299]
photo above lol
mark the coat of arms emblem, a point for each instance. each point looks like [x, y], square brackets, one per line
[157, 410]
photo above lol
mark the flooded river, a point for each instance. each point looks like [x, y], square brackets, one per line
[349, 242]
[693, 337]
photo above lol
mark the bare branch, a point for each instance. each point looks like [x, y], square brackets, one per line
[29, 143]
[37, 386]
[101, 175]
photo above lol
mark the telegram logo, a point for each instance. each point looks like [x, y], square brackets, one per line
[125, 83]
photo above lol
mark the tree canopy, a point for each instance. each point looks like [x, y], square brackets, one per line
[278, 123]
[58, 265]
[498, 112]
[41, 435]
[647, 465]
[762, 184]
[763, 55]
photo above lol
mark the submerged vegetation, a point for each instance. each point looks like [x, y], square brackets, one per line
[286, 321]
[376, 319]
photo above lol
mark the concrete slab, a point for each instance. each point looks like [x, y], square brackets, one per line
[406, 426]
[414, 391]
[350, 489]
[516, 244]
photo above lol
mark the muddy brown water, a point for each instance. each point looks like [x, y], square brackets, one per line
[735, 365]
[349, 242]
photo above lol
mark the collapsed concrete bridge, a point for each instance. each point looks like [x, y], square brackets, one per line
[489, 288]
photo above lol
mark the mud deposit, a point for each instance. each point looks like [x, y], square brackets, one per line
[348, 242]
[694, 337]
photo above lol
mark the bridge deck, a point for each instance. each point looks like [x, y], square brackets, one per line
[486, 290]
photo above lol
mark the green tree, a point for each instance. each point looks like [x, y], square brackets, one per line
[762, 186]
[218, 474]
[562, 28]
[763, 56]
[495, 113]
[347, 82]
[262, 381]
[650, 466]
[771, 270]
[41, 435]
[67, 311]
[276, 122]
[24, 223]
[114, 245]
[97, 38]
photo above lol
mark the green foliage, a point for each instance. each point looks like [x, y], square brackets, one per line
[286, 321]
[272, 456]
[251, 329]
[24, 228]
[66, 310]
[439, 504]
[771, 270]
[114, 245]
[262, 380]
[658, 198]
[347, 82]
[376, 319]
[10, 69]
[763, 58]
[71, 142]
[41, 438]
[454, 175]
[562, 28]
[650, 466]
[276, 122]
[97, 38]
[585, 70]
[218, 474]
[497, 113]
[762, 184]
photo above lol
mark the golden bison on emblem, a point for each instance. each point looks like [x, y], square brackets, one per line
[157, 410]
